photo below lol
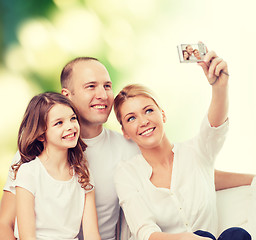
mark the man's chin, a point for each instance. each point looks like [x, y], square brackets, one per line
[96, 121]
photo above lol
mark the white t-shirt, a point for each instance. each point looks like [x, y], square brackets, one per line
[103, 153]
[192, 57]
[189, 204]
[9, 185]
[58, 204]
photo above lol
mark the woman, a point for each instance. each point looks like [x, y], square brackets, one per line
[197, 54]
[167, 191]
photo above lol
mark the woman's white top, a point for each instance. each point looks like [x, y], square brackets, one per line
[189, 204]
[58, 204]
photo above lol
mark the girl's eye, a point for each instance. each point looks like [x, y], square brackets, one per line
[74, 118]
[130, 119]
[58, 123]
[149, 110]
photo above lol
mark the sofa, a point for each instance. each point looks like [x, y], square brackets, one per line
[235, 208]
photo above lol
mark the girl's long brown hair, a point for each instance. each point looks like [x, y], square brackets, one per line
[33, 127]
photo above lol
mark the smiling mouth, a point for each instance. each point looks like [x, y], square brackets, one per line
[99, 106]
[70, 136]
[147, 131]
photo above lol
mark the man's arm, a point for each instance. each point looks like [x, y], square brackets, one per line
[7, 216]
[224, 180]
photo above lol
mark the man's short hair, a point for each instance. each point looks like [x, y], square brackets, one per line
[66, 73]
[188, 46]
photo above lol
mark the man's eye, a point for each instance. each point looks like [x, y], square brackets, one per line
[130, 119]
[91, 86]
[108, 86]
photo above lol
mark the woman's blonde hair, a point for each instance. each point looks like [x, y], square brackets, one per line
[131, 91]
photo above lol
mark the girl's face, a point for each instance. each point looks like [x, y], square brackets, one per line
[186, 55]
[62, 127]
[142, 121]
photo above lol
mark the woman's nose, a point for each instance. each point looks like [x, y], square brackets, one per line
[144, 121]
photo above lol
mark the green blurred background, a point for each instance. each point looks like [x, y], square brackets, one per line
[136, 40]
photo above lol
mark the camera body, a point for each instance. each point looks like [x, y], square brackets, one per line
[189, 53]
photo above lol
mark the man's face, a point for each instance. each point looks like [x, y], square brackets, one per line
[91, 92]
[189, 50]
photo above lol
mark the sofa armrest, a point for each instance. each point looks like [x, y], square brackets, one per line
[233, 205]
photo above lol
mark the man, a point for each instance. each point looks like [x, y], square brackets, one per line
[8, 209]
[190, 50]
[87, 83]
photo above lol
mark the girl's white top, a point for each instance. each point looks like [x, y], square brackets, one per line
[189, 204]
[58, 204]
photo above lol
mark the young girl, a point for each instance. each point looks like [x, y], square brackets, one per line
[53, 188]
[167, 192]
[185, 55]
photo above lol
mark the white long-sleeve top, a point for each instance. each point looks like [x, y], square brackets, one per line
[189, 204]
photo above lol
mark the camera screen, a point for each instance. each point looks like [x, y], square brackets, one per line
[191, 52]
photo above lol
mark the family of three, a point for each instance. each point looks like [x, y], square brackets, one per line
[70, 173]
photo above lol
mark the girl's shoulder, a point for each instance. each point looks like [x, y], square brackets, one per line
[31, 166]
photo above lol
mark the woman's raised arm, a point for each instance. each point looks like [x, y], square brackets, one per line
[216, 71]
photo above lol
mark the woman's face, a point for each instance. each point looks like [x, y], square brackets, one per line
[197, 54]
[142, 121]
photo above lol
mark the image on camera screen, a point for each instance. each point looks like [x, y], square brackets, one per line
[191, 52]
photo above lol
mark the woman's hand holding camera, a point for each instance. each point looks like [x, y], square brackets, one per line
[215, 69]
